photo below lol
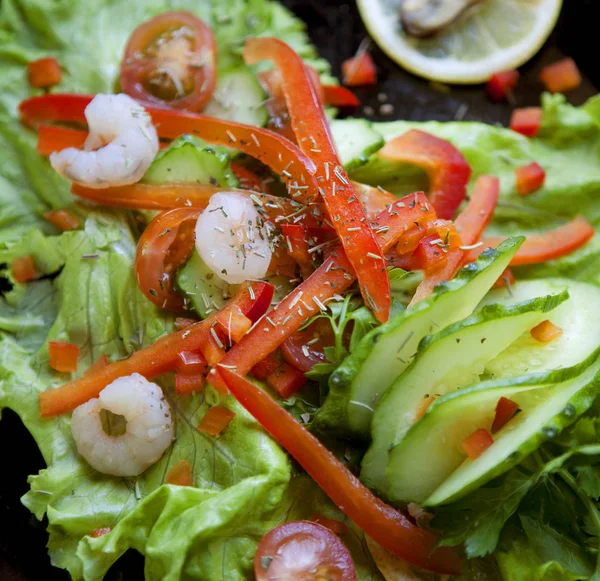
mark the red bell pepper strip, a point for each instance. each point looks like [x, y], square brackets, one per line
[44, 73]
[286, 380]
[152, 361]
[359, 70]
[296, 237]
[526, 121]
[544, 246]
[506, 409]
[337, 96]
[52, 139]
[63, 356]
[278, 153]
[561, 76]
[333, 277]
[215, 420]
[388, 527]
[63, 220]
[477, 443]
[447, 168]
[501, 84]
[314, 138]
[529, 178]
[471, 223]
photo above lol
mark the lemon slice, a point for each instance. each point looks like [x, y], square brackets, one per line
[491, 36]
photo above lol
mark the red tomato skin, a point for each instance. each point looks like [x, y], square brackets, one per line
[506, 409]
[334, 564]
[529, 178]
[134, 69]
[501, 84]
[359, 70]
[561, 76]
[477, 443]
[526, 121]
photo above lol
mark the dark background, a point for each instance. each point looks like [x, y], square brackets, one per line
[337, 31]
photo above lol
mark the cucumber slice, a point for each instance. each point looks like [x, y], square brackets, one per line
[356, 141]
[384, 353]
[453, 358]
[429, 467]
[238, 97]
[189, 159]
[579, 319]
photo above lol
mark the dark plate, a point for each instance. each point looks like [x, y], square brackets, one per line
[337, 31]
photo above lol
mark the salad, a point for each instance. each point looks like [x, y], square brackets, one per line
[253, 339]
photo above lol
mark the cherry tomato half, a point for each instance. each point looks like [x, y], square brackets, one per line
[304, 349]
[165, 245]
[170, 61]
[303, 551]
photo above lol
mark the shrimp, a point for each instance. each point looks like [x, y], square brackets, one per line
[119, 148]
[147, 434]
[232, 238]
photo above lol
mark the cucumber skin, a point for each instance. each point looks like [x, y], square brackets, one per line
[577, 405]
[372, 473]
[333, 415]
[353, 126]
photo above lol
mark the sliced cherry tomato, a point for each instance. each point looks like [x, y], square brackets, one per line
[359, 70]
[304, 349]
[23, 269]
[561, 76]
[338, 96]
[171, 60]
[215, 420]
[501, 84]
[165, 245]
[529, 178]
[303, 550]
[63, 220]
[477, 443]
[546, 332]
[63, 356]
[506, 409]
[545, 246]
[44, 73]
[526, 121]
[447, 168]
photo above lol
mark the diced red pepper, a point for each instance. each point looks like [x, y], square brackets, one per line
[191, 363]
[44, 73]
[337, 96]
[215, 420]
[23, 269]
[546, 332]
[526, 121]
[188, 384]
[529, 178]
[335, 526]
[477, 443]
[545, 246]
[63, 356]
[387, 526]
[501, 84]
[180, 474]
[233, 324]
[63, 220]
[506, 409]
[286, 380]
[266, 367]
[212, 348]
[447, 168]
[297, 245]
[359, 70]
[561, 76]
[429, 255]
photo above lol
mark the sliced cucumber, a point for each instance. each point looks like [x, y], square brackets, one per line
[238, 97]
[453, 358]
[205, 291]
[189, 159]
[384, 353]
[356, 141]
[579, 319]
[429, 467]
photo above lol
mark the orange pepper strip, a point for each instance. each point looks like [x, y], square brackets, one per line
[470, 223]
[314, 138]
[546, 245]
[387, 526]
[152, 361]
